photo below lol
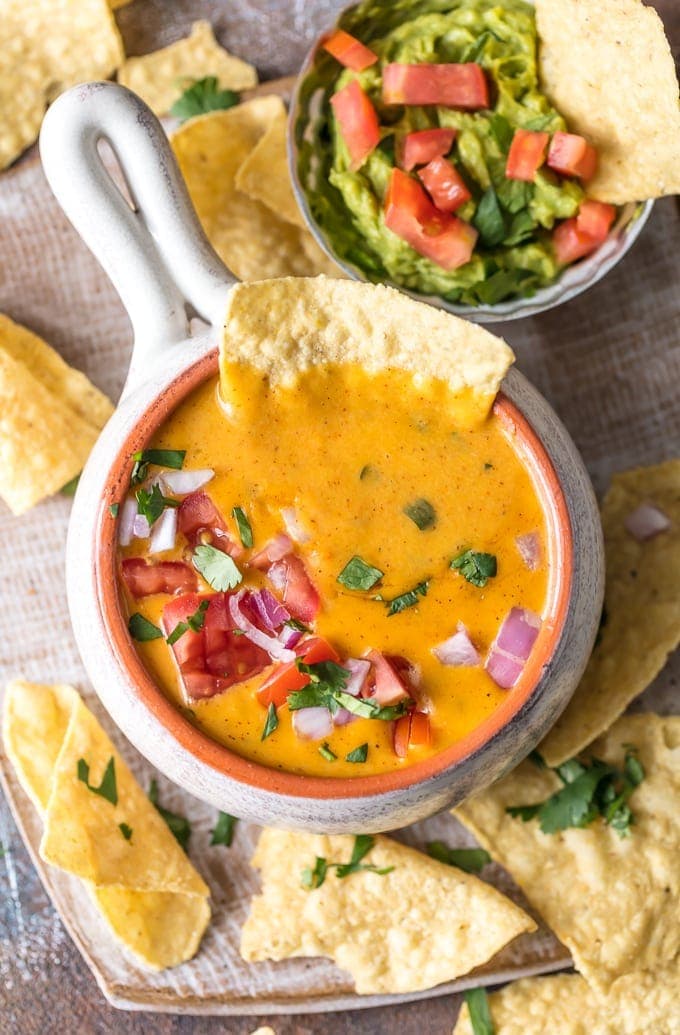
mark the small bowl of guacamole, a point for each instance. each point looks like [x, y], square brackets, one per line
[425, 155]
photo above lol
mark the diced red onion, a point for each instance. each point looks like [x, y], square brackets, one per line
[271, 644]
[358, 669]
[343, 718]
[312, 723]
[184, 482]
[126, 522]
[646, 521]
[458, 650]
[296, 531]
[164, 531]
[289, 636]
[512, 646]
[272, 613]
[140, 527]
[529, 546]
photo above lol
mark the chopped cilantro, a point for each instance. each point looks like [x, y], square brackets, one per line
[244, 529]
[357, 574]
[223, 834]
[422, 513]
[359, 754]
[180, 828]
[326, 752]
[194, 622]
[408, 599]
[107, 788]
[201, 96]
[70, 488]
[326, 690]
[476, 567]
[478, 1008]
[488, 219]
[472, 860]
[589, 792]
[217, 568]
[271, 722]
[141, 629]
[152, 504]
[113, 509]
[125, 830]
[502, 130]
[173, 458]
[314, 878]
[293, 623]
[500, 285]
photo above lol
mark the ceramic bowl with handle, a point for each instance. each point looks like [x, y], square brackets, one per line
[166, 273]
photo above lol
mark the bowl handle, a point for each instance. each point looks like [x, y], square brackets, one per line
[156, 254]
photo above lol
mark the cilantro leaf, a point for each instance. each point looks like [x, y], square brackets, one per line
[326, 752]
[498, 286]
[180, 828]
[113, 509]
[223, 833]
[194, 622]
[293, 623]
[173, 458]
[152, 504]
[471, 860]
[125, 830]
[141, 629]
[515, 195]
[488, 219]
[521, 228]
[203, 95]
[70, 488]
[271, 723]
[502, 131]
[244, 529]
[357, 574]
[359, 754]
[478, 1008]
[476, 567]
[314, 878]
[422, 514]
[107, 788]
[474, 50]
[217, 568]
[407, 599]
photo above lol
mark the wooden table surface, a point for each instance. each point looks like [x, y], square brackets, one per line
[44, 985]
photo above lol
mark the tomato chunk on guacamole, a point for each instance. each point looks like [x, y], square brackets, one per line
[452, 103]
[344, 601]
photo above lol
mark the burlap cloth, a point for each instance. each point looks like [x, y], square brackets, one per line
[609, 362]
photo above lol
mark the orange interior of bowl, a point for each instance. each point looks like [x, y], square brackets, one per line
[227, 762]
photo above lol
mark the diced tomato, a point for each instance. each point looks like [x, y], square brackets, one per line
[300, 596]
[445, 185]
[411, 730]
[407, 672]
[526, 154]
[389, 686]
[451, 86]
[358, 122]
[199, 518]
[401, 736]
[438, 236]
[213, 658]
[143, 579]
[349, 51]
[421, 146]
[275, 549]
[595, 219]
[287, 677]
[577, 237]
[571, 155]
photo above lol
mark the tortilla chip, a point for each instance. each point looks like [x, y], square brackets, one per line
[644, 1004]
[410, 929]
[44, 729]
[612, 900]
[46, 46]
[264, 174]
[157, 77]
[642, 611]
[285, 326]
[607, 66]
[248, 236]
[115, 4]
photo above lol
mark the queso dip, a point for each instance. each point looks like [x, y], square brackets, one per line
[333, 578]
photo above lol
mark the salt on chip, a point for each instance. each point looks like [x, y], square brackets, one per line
[410, 929]
[607, 66]
[46, 46]
[564, 1004]
[641, 623]
[251, 239]
[157, 77]
[50, 418]
[613, 901]
[264, 174]
[282, 327]
[44, 727]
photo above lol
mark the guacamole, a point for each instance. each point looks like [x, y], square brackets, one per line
[513, 254]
